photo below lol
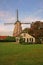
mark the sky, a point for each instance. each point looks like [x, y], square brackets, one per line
[29, 11]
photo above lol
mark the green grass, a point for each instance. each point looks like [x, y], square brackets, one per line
[16, 54]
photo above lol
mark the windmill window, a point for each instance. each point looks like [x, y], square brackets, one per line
[24, 34]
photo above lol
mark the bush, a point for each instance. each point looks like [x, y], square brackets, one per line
[38, 41]
[21, 40]
[9, 39]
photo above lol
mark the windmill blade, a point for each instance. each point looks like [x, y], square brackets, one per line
[25, 23]
[14, 23]
[9, 23]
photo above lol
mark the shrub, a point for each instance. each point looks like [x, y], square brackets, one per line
[9, 39]
[21, 40]
[38, 41]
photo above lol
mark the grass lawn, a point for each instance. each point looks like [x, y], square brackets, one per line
[16, 54]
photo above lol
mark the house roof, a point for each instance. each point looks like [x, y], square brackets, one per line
[27, 35]
[3, 37]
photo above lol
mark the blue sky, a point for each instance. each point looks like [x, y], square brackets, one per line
[29, 11]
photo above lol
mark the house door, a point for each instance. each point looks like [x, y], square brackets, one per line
[27, 40]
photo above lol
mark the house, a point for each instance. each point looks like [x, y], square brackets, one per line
[2, 37]
[28, 38]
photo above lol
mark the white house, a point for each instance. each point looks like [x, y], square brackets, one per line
[27, 37]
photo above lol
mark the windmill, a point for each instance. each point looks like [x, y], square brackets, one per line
[18, 27]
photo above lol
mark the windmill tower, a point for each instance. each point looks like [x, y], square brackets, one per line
[18, 28]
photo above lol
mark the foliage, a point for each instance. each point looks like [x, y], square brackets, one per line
[38, 41]
[35, 29]
[10, 39]
[26, 30]
[21, 40]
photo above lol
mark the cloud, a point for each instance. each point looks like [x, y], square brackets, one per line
[7, 16]
[6, 30]
[37, 12]
[32, 19]
[6, 34]
[34, 16]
